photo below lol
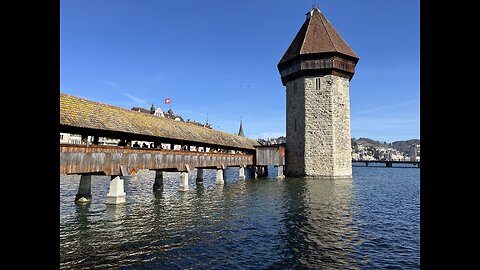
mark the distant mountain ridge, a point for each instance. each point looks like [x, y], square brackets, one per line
[406, 146]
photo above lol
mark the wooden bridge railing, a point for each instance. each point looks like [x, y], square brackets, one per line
[118, 160]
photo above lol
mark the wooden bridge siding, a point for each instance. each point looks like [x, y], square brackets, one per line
[78, 159]
[270, 155]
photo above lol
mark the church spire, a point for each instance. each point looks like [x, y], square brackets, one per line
[240, 131]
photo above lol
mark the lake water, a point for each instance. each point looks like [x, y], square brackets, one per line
[371, 221]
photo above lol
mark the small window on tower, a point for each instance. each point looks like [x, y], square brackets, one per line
[317, 83]
[295, 124]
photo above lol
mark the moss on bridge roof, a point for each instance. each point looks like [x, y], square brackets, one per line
[82, 113]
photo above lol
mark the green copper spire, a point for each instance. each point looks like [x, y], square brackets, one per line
[240, 131]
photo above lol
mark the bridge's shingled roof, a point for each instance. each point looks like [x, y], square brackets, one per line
[82, 113]
[317, 35]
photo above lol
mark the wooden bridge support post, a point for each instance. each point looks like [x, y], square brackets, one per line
[250, 170]
[199, 176]
[158, 180]
[84, 194]
[241, 173]
[183, 181]
[219, 179]
[84, 138]
[279, 172]
[261, 171]
[116, 194]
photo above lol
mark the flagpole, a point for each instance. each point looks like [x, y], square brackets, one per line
[169, 102]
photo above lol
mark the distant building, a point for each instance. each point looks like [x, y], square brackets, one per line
[77, 139]
[140, 109]
[170, 114]
[158, 112]
[70, 138]
[416, 153]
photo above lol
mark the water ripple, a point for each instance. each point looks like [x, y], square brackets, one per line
[371, 221]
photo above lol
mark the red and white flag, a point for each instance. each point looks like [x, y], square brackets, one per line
[167, 101]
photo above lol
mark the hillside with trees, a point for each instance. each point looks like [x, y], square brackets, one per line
[406, 147]
[369, 143]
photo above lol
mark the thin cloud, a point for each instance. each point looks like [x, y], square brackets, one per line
[379, 108]
[167, 75]
[135, 99]
[110, 83]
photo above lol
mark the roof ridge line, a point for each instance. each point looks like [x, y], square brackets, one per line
[305, 36]
[328, 34]
[118, 107]
[149, 115]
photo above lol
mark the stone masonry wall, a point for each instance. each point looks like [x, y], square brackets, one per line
[319, 126]
[295, 128]
[341, 121]
[320, 146]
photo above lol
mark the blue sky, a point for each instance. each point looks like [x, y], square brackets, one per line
[219, 58]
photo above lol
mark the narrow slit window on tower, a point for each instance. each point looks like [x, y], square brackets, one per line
[294, 87]
[295, 124]
[317, 83]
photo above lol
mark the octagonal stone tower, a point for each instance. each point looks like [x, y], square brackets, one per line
[316, 70]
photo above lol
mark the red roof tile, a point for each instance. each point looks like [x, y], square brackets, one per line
[315, 36]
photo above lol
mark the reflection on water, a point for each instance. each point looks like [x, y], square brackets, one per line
[252, 223]
[318, 223]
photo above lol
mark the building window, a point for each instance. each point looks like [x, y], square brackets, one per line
[317, 83]
[294, 87]
[295, 125]
[61, 137]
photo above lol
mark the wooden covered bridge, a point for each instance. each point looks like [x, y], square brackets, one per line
[200, 147]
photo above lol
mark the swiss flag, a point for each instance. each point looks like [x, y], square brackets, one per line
[167, 101]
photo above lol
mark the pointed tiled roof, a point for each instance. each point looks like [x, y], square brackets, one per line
[315, 36]
[240, 131]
